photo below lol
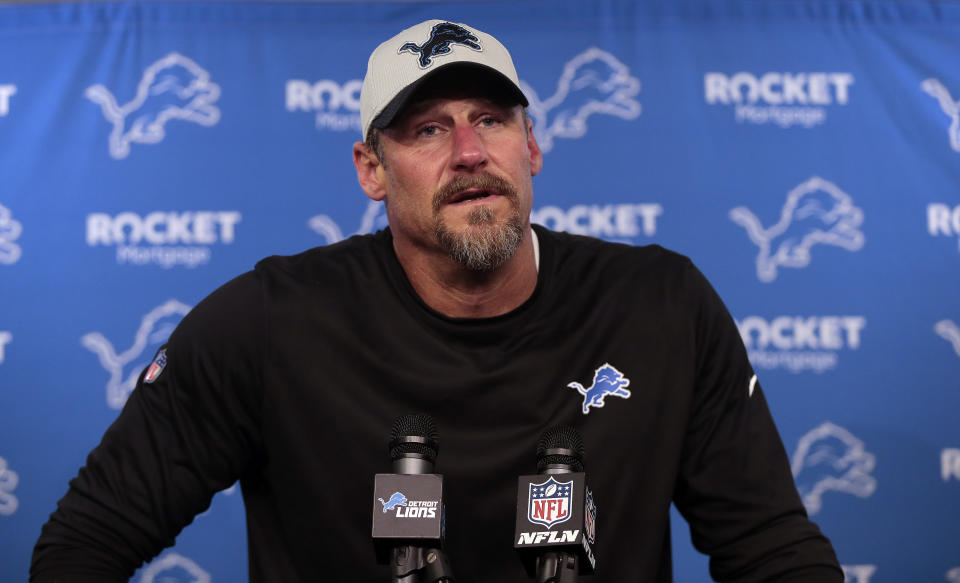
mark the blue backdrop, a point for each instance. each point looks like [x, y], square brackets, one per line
[805, 154]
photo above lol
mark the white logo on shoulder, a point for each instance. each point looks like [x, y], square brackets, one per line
[950, 332]
[174, 568]
[950, 107]
[125, 367]
[174, 87]
[831, 458]
[592, 82]
[858, 573]
[8, 482]
[953, 575]
[9, 232]
[6, 92]
[816, 212]
[373, 219]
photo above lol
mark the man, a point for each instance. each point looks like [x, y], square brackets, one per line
[288, 377]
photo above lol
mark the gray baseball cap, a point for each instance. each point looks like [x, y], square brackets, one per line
[398, 66]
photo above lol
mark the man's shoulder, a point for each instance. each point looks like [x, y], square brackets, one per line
[320, 263]
[239, 306]
[579, 250]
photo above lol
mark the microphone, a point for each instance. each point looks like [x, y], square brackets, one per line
[556, 513]
[414, 444]
[408, 505]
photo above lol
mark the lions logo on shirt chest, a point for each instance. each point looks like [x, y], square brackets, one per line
[607, 381]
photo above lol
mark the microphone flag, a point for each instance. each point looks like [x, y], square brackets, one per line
[556, 511]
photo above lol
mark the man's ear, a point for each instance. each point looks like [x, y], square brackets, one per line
[536, 155]
[369, 171]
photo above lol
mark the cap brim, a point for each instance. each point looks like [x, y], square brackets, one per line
[396, 105]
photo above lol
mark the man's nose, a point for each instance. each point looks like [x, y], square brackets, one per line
[470, 153]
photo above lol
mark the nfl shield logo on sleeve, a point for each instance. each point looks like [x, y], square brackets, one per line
[550, 502]
[590, 517]
[156, 367]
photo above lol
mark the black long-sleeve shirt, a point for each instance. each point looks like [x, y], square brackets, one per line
[288, 378]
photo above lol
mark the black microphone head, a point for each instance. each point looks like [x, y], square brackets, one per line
[560, 447]
[414, 434]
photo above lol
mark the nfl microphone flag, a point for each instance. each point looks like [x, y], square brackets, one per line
[555, 512]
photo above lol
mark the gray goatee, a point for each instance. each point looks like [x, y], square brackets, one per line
[486, 244]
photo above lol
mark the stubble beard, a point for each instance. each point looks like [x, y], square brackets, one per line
[485, 244]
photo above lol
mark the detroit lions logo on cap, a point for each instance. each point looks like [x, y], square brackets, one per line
[441, 37]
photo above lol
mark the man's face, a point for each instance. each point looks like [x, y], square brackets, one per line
[457, 175]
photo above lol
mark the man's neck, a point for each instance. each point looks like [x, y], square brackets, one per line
[458, 292]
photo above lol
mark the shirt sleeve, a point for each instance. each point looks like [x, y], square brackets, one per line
[735, 487]
[188, 432]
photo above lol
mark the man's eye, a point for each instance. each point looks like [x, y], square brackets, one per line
[428, 131]
[489, 121]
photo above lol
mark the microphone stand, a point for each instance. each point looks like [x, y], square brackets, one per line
[559, 567]
[559, 452]
[411, 564]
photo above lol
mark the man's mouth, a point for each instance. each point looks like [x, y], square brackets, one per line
[469, 190]
[470, 195]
